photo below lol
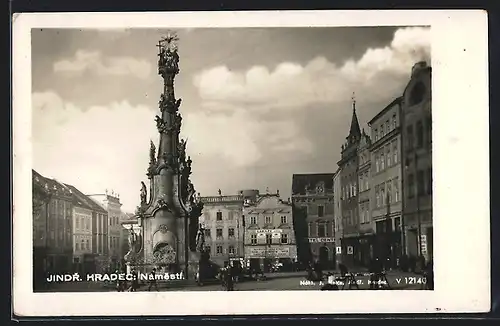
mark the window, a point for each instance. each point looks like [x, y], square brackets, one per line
[283, 220]
[383, 199]
[321, 229]
[377, 163]
[268, 219]
[218, 233]
[208, 233]
[77, 222]
[232, 251]
[409, 136]
[377, 196]
[321, 210]
[387, 127]
[376, 134]
[382, 161]
[397, 224]
[382, 131]
[394, 122]
[396, 189]
[230, 232]
[420, 134]
[219, 250]
[309, 229]
[411, 185]
[219, 216]
[417, 94]
[420, 183]
[253, 220]
[367, 181]
[388, 155]
[389, 192]
[284, 238]
[395, 152]
[206, 214]
[77, 246]
[253, 239]
[230, 215]
[269, 239]
[429, 181]
[82, 244]
[361, 183]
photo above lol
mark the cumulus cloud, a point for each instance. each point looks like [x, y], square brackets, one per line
[290, 85]
[95, 62]
[107, 147]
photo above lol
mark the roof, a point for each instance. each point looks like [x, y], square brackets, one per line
[50, 184]
[378, 115]
[301, 181]
[89, 203]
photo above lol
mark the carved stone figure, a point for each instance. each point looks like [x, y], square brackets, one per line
[164, 255]
[220, 192]
[182, 150]
[160, 124]
[152, 152]
[144, 193]
[163, 101]
[132, 240]
[200, 239]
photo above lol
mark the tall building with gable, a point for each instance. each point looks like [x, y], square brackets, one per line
[313, 209]
[269, 231]
[349, 165]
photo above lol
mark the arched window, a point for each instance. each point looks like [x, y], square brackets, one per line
[417, 94]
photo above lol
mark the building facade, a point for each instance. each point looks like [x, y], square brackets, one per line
[337, 213]
[223, 227]
[52, 227]
[386, 203]
[313, 208]
[417, 161]
[269, 231]
[82, 238]
[366, 234]
[348, 165]
[110, 202]
[99, 242]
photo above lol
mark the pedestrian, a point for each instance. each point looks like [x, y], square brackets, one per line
[229, 279]
[134, 284]
[152, 280]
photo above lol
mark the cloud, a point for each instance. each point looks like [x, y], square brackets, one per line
[290, 85]
[95, 62]
[107, 147]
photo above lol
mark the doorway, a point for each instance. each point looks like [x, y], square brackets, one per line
[323, 256]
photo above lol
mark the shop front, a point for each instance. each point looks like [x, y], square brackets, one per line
[264, 257]
[323, 250]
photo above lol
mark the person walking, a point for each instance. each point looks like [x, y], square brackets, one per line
[152, 280]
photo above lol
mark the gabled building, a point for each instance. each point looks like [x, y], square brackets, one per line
[386, 179]
[313, 214]
[269, 231]
[349, 165]
[417, 162]
[366, 231]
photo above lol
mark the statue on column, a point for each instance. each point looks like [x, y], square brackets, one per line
[200, 239]
[144, 193]
[152, 152]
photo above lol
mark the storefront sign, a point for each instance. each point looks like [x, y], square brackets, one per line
[322, 240]
[273, 252]
[269, 231]
[350, 250]
[423, 244]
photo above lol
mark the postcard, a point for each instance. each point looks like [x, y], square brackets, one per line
[307, 162]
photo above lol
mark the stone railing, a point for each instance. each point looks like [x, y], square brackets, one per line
[221, 199]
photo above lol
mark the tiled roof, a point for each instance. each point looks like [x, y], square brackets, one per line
[301, 181]
[88, 201]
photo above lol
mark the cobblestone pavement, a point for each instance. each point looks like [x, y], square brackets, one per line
[275, 282]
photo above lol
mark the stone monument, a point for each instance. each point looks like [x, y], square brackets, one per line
[169, 216]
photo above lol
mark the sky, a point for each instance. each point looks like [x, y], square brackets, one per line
[258, 104]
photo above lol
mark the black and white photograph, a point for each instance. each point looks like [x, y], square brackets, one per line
[201, 159]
